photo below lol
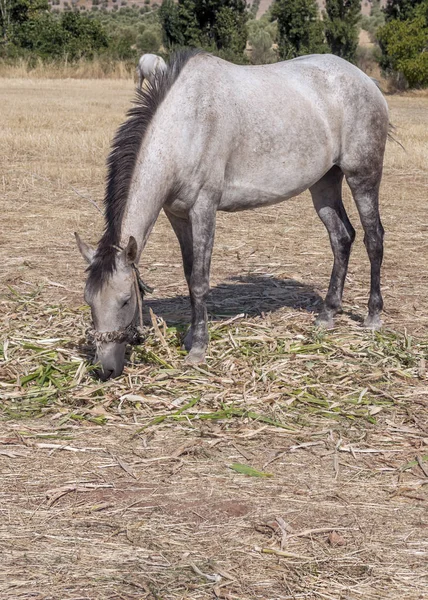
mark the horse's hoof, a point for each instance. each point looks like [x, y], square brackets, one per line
[373, 322]
[324, 322]
[195, 357]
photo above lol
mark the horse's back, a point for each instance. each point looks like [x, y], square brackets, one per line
[319, 94]
[324, 79]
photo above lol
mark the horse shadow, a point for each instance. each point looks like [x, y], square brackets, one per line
[252, 295]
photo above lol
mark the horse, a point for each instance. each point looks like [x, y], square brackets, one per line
[148, 66]
[209, 135]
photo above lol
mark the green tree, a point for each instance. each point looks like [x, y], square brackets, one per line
[404, 45]
[223, 23]
[168, 15]
[229, 30]
[72, 34]
[400, 9]
[179, 23]
[261, 48]
[212, 24]
[341, 27]
[15, 12]
[85, 36]
[300, 30]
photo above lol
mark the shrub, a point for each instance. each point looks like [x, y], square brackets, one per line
[150, 40]
[367, 58]
[72, 34]
[122, 43]
[263, 24]
[261, 48]
[404, 45]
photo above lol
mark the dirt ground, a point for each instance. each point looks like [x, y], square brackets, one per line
[142, 487]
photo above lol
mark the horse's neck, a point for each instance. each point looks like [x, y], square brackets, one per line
[148, 192]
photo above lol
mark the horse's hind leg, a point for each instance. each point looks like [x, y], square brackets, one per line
[327, 199]
[365, 190]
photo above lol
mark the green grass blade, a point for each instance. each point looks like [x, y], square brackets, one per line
[247, 470]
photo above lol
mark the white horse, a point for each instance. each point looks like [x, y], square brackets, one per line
[148, 66]
[210, 136]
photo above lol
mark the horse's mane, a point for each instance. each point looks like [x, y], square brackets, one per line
[122, 160]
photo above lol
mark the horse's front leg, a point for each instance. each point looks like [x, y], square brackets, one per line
[202, 220]
[183, 230]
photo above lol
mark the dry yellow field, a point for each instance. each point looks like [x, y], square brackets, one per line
[132, 489]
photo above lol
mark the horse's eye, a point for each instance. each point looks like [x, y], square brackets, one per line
[126, 303]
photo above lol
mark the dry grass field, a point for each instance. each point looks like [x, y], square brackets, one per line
[293, 465]
[81, 69]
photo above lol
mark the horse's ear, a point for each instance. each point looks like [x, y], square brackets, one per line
[131, 250]
[86, 251]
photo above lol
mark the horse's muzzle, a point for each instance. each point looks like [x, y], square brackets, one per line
[111, 359]
[105, 374]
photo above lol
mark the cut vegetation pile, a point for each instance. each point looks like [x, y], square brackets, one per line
[284, 373]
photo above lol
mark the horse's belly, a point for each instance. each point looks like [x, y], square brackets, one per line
[235, 199]
[243, 193]
[267, 169]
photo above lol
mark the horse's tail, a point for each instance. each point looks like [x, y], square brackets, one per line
[391, 126]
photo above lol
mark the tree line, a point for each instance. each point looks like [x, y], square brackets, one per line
[228, 28]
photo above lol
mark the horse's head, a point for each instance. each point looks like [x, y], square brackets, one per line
[113, 291]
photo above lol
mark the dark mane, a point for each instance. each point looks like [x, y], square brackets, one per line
[121, 163]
